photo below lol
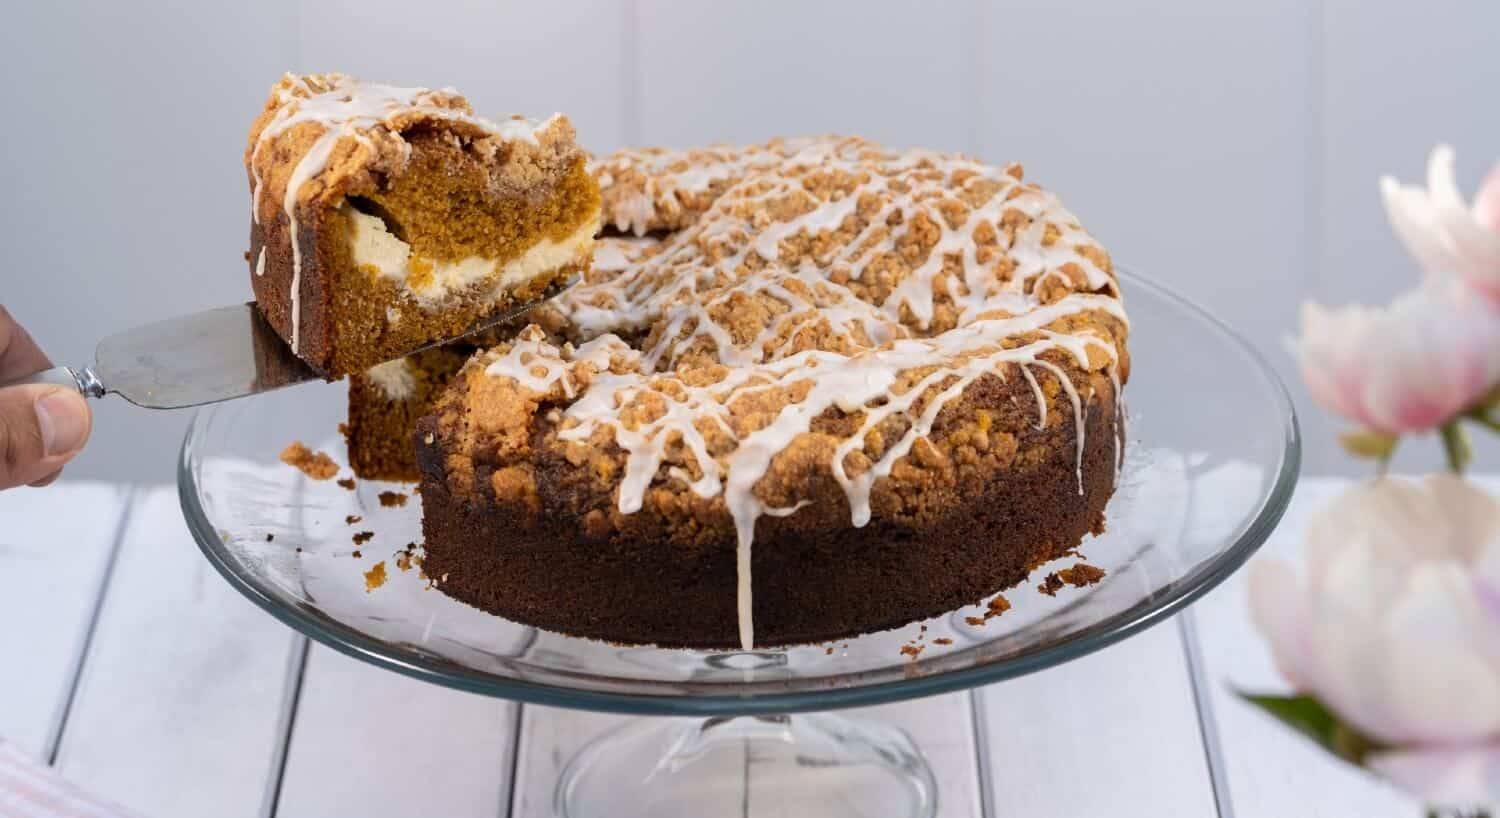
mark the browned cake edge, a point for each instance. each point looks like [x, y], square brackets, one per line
[812, 582]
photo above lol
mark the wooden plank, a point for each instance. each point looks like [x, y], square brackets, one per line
[1271, 771]
[55, 545]
[941, 727]
[713, 72]
[177, 711]
[370, 742]
[1113, 733]
[509, 57]
[549, 738]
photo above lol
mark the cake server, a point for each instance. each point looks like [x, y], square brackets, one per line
[205, 357]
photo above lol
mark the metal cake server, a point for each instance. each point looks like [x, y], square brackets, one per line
[205, 357]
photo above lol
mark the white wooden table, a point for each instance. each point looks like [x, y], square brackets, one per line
[130, 665]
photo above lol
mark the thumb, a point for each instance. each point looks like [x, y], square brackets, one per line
[41, 428]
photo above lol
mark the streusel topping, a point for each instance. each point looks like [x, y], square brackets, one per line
[817, 313]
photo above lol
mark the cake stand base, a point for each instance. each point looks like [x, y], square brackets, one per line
[816, 764]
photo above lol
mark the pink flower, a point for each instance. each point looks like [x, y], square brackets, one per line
[1441, 231]
[1410, 367]
[1393, 627]
[1463, 777]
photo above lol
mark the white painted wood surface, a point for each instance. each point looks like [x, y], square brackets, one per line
[192, 702]
[1114, 731]
[178, 710]
[55, 548]
[380, 744]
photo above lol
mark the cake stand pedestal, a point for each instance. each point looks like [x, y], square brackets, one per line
[1209, 468]
[810, 764]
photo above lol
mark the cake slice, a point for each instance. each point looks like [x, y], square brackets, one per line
[386, 219]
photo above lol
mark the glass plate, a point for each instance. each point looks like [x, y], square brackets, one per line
[1211, 458]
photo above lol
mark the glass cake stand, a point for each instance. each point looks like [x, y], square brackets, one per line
[1211, 458]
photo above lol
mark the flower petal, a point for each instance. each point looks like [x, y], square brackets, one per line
[1277, 610]
[1454, 777]
[1487, 201]
[1415, 222]
[1475, 248]
[1438, 685]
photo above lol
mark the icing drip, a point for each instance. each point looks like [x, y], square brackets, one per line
[347, 109]
[827, 275]
[260, 262]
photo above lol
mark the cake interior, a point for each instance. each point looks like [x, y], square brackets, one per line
[385, 402]
[452, 239]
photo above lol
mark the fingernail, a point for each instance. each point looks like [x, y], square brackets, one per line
[64, 421]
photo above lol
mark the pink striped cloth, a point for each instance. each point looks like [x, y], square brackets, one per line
[29, 789]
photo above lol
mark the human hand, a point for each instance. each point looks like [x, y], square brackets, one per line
[41, 426]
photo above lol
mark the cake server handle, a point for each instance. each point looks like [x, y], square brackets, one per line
[83, 379]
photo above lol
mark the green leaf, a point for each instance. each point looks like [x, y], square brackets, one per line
[1456, 444]
[1309, 717]
[1487, 412]
[1369, 445]
[1491, 402]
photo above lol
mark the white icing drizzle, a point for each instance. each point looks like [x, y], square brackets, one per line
[831, 337]
[260, 262]
[346, 108]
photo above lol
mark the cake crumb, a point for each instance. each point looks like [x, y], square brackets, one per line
[299, 549]
[344, 429]
[356, 554]
[1051, 584]
[362, 537]
[316, 465]
[404, 557]
[942, 640]
[997, 606]
[1081, 575]
[346, 483]
[352, 519]
[270, 537]
[375, 577]
[391, 499]
[912, 650]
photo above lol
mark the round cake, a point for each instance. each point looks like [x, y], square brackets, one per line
[834, 388]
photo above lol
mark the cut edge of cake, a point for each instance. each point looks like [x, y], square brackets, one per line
[385, 219]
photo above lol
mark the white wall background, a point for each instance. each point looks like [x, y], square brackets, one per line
[1228, 149]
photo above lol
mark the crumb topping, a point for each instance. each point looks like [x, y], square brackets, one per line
[824, 310]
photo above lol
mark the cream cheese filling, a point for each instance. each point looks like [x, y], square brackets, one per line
[394, 379]
[374, 246]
